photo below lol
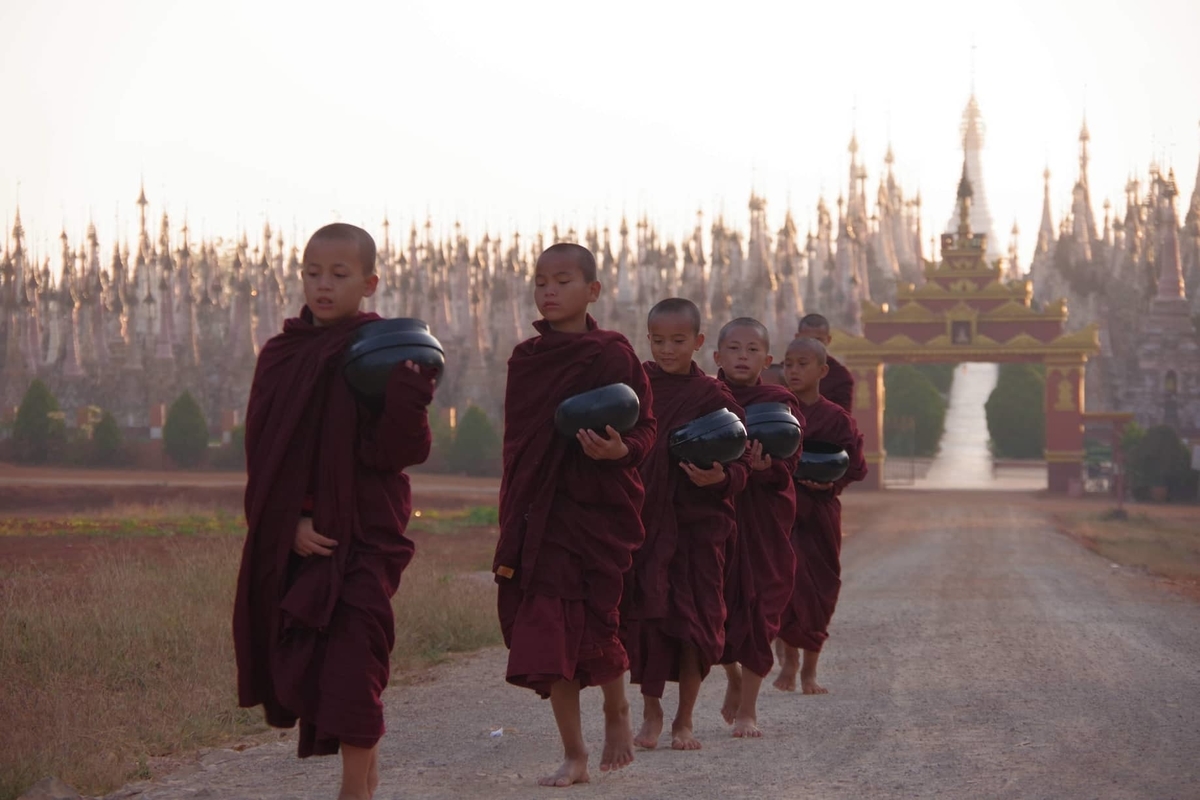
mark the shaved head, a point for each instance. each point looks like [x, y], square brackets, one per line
[351, 234]
[582, 257]
[676, 305]
[813, 322]
[806, 344]
[759, 329]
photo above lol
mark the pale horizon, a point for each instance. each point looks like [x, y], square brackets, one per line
[517, 116]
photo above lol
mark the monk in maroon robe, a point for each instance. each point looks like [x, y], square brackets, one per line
[817, 535]
[569, 513]
[762, 565]
[838, 385]
[674, 614]
[326, 509]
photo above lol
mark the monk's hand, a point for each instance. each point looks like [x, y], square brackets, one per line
[758, 460]
[309, 542]
[704, 477]
[417, 369]
[599, 448]
[816, 487]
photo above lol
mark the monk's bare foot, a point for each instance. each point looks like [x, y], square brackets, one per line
[786, 682]
[733, 700]
[809, 685]
[618, 739]
[682, 738]
[746, 728]
[648, 736]
[789, 667]
[572, 771]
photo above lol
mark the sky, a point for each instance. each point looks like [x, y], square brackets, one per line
[516, 114]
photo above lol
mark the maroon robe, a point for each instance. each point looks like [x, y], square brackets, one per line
[838, 385]
[313, 635]
[817, 534]
[676, 592]
[568, 524]
[762, 564]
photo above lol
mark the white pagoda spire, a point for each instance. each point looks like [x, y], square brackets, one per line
[981, 216]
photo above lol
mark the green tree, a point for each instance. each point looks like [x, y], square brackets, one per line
[1160, 458]
[39, 433]
[940, 375]
[1016, 412]
[185, 434]
[910, 394]
[106, 441]
[476, 446]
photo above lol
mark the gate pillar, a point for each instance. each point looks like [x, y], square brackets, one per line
[1064, 421]
[869, 403]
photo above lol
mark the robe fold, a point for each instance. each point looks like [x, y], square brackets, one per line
[675, 589]
[817, 533]
[838, 386]
[312, 636]
[761, 562]
[568, 524]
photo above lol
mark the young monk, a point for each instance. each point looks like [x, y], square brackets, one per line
[817, 534]
[772, 375]
[674, 625]
[569, 513]
[838, 385]
[761, 564]
[326, 509]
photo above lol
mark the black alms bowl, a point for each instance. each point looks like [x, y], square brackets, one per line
[821, 462]
[615, 404]
[718, 436]
[774, 425]
[379, 346]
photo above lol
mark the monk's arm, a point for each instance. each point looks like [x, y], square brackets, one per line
[852, 441]
[399, 437]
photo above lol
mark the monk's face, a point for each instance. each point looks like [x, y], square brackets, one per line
[334, 280]
[561, 291]
[673, 342]
[820, 334]
[803, 370]
[743, 355]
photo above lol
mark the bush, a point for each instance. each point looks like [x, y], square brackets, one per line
[476, 447]
[1160, 458]
[185, 434]
[39, 432]
[232, 456]
[909, 394]
[940, 375]
[1016, 413]
[106, 441]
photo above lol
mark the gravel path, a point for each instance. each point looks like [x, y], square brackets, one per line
[976, 653]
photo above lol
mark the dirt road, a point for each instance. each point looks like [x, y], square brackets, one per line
[976, 653]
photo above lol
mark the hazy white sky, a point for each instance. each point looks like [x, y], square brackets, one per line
[511, 113]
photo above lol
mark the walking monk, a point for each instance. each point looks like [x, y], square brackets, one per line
[569, 513]
[817, 534]
[761, 564]
[674, 621]
[838, 385]
[326, 508]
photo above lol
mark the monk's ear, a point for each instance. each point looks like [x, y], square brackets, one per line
[372, 283]
[824, 370]
[594, 289]
[717, 357]
[699, 341]
[768, 362]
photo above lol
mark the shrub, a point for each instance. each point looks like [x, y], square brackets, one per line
[232, 456]
[910, 394]
[1016, 412]
[39, 432]
[1160, 458]
[940, 375]
[185, 434]
[476, 447]
[106, 441]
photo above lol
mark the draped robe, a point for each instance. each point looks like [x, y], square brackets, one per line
[568, 524]
[762, 564]
[312, 636]
[817, 533]
[676, 592]
[838, 385]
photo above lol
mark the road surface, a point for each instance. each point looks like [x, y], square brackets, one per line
[976, 653]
